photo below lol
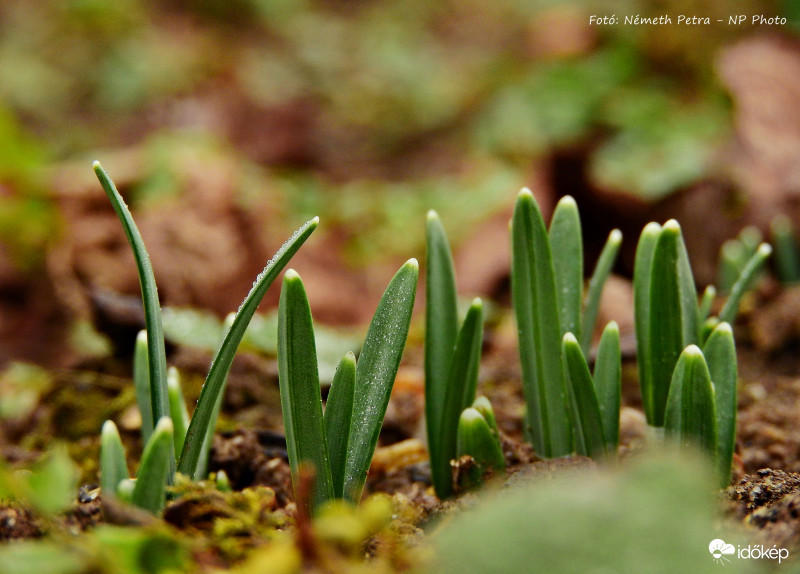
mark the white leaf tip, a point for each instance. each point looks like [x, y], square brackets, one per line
[693, 350]
[164, 426]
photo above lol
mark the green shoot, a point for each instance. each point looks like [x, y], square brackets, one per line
[113, 468]
[689, 391]
[590, 436]
[150, 491]
[157, 357]
[477, 437]
[301, 403]
[339, 444]
[196, 439]
[141, 383]
[690, 415]
[549, 301]
[452, 356]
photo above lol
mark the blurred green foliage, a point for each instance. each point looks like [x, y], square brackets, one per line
[656, 515]
[367, 112]
[48, 486]
[378, 77]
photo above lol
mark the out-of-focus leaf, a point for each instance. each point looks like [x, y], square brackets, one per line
[21, 386]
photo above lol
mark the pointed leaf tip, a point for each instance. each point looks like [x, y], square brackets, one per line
[672, 225]
[164, 425]
[693, 351]
[525, 192]
[615, 236]
[765, 249]
[412, 263]
[569, 338]
[432, 215]
[96, 165]
[108, 427]
[291, 275]
[724, 327]
[568, 200]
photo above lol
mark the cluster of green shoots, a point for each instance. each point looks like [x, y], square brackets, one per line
[337, 446]
[687, 363]
[686, 358]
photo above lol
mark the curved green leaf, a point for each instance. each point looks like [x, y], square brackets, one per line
[608, 383]
[602, 269]
[566, 245]
[338, 418]
[177, 407]
[690, 414]
[152, 307]
[590, 437]
[533, 291]
[220, 366]
[720, 353]
[375, 373]
[642, 267]
[673, 314]
[744, 282]
[113, 467]
[476, 438]
[441, 327]
[460, 392]
[298, 377]
[150, 491]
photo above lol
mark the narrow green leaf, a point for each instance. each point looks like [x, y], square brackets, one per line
[298, 377]
[441, 326]
[220, 366]
[688, 290]
[177, 407]
[720, 353]
[460, 392]
[673, 314]
[476, 439]
[52, 482]
[590, 437]
[690, 414]
[150, 491]
[113, 467]
[642, 266]
[201, 470]
[602, 269]
[377, 367]
[338, 417]
[152, 308]
[744, 282]
[141, 384]
[533, 291]
[706, 303]
[787, 256]
[566, 245]
[608, 383]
